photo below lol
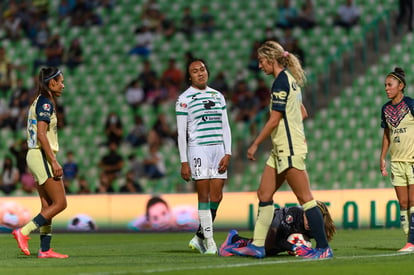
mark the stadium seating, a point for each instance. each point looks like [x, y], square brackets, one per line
[96, 87]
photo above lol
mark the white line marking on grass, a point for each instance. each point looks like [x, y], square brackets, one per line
[251, 263]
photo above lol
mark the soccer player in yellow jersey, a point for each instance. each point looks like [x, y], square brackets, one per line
[287, 159]
[397, 119]
[41, 159]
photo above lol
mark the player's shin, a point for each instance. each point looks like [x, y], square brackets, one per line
[315, 221]
[264, 219]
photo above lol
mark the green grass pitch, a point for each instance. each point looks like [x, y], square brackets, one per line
[355, 252]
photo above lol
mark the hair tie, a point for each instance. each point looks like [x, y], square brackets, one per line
[285, 53]
[399, 77]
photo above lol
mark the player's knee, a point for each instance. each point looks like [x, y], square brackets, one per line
[216, 197]
[404, 203]
[264, 196]
[61, 205]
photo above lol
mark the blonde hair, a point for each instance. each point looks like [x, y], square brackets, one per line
[330, 228]
[272, 50]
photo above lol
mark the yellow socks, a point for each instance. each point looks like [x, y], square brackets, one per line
[34, 224]
[404, 219]
[264, 220]
[28, 228]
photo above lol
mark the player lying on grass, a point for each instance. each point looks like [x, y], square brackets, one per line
[286, 221]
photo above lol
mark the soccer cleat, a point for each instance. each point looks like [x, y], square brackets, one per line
[211, 248]
[250, 250]
[228, 244]
[51, 254]
[313, 253]
[302, 250]
[197, 244]
[409, 247]
[323, 253]
[22, 241]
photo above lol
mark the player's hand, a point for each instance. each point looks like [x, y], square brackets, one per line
[57, 170]
[224, 164]
[383, 169]
[185, 171]
[251, 151]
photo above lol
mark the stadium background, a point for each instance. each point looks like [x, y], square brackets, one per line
[344, 94]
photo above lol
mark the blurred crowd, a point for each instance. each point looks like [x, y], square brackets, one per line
[29, 19]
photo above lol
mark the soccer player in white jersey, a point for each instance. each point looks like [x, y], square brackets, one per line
[287, 159]
[397, 119]
[204, 143]
[41, 159]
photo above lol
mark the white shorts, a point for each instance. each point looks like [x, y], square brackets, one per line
[204, 161]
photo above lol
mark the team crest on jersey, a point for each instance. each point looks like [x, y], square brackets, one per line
[46, 107]
[289, 219]
[183, 105]
[213, 94]
[294, 87]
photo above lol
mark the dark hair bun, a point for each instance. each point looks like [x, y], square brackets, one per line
[399, 71]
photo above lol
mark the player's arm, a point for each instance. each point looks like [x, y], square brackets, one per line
[226, 132]
[224, 162]
[271, 124]
[303, 111]
[182, 142]
[384, 150]
[42, 127]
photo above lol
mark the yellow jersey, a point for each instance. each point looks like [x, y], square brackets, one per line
[42, 109]
[288, 137]
[399, 120]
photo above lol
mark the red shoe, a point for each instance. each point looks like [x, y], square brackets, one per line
[409, 247]
[51, 254]
[22, 241]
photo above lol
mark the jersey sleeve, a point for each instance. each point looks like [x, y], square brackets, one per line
[410, 103]
[226, 129]
[280, 92]
[181, 112]
[44, 109]
[383, 120]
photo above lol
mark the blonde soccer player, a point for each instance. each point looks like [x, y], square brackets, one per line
[287, 158]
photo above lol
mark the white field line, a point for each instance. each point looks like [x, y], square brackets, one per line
[250, 263]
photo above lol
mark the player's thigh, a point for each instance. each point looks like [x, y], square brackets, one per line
[411, 195]
[268, 184]
[403, 193]
[203, 190]
[54, 191]
[298, 181]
